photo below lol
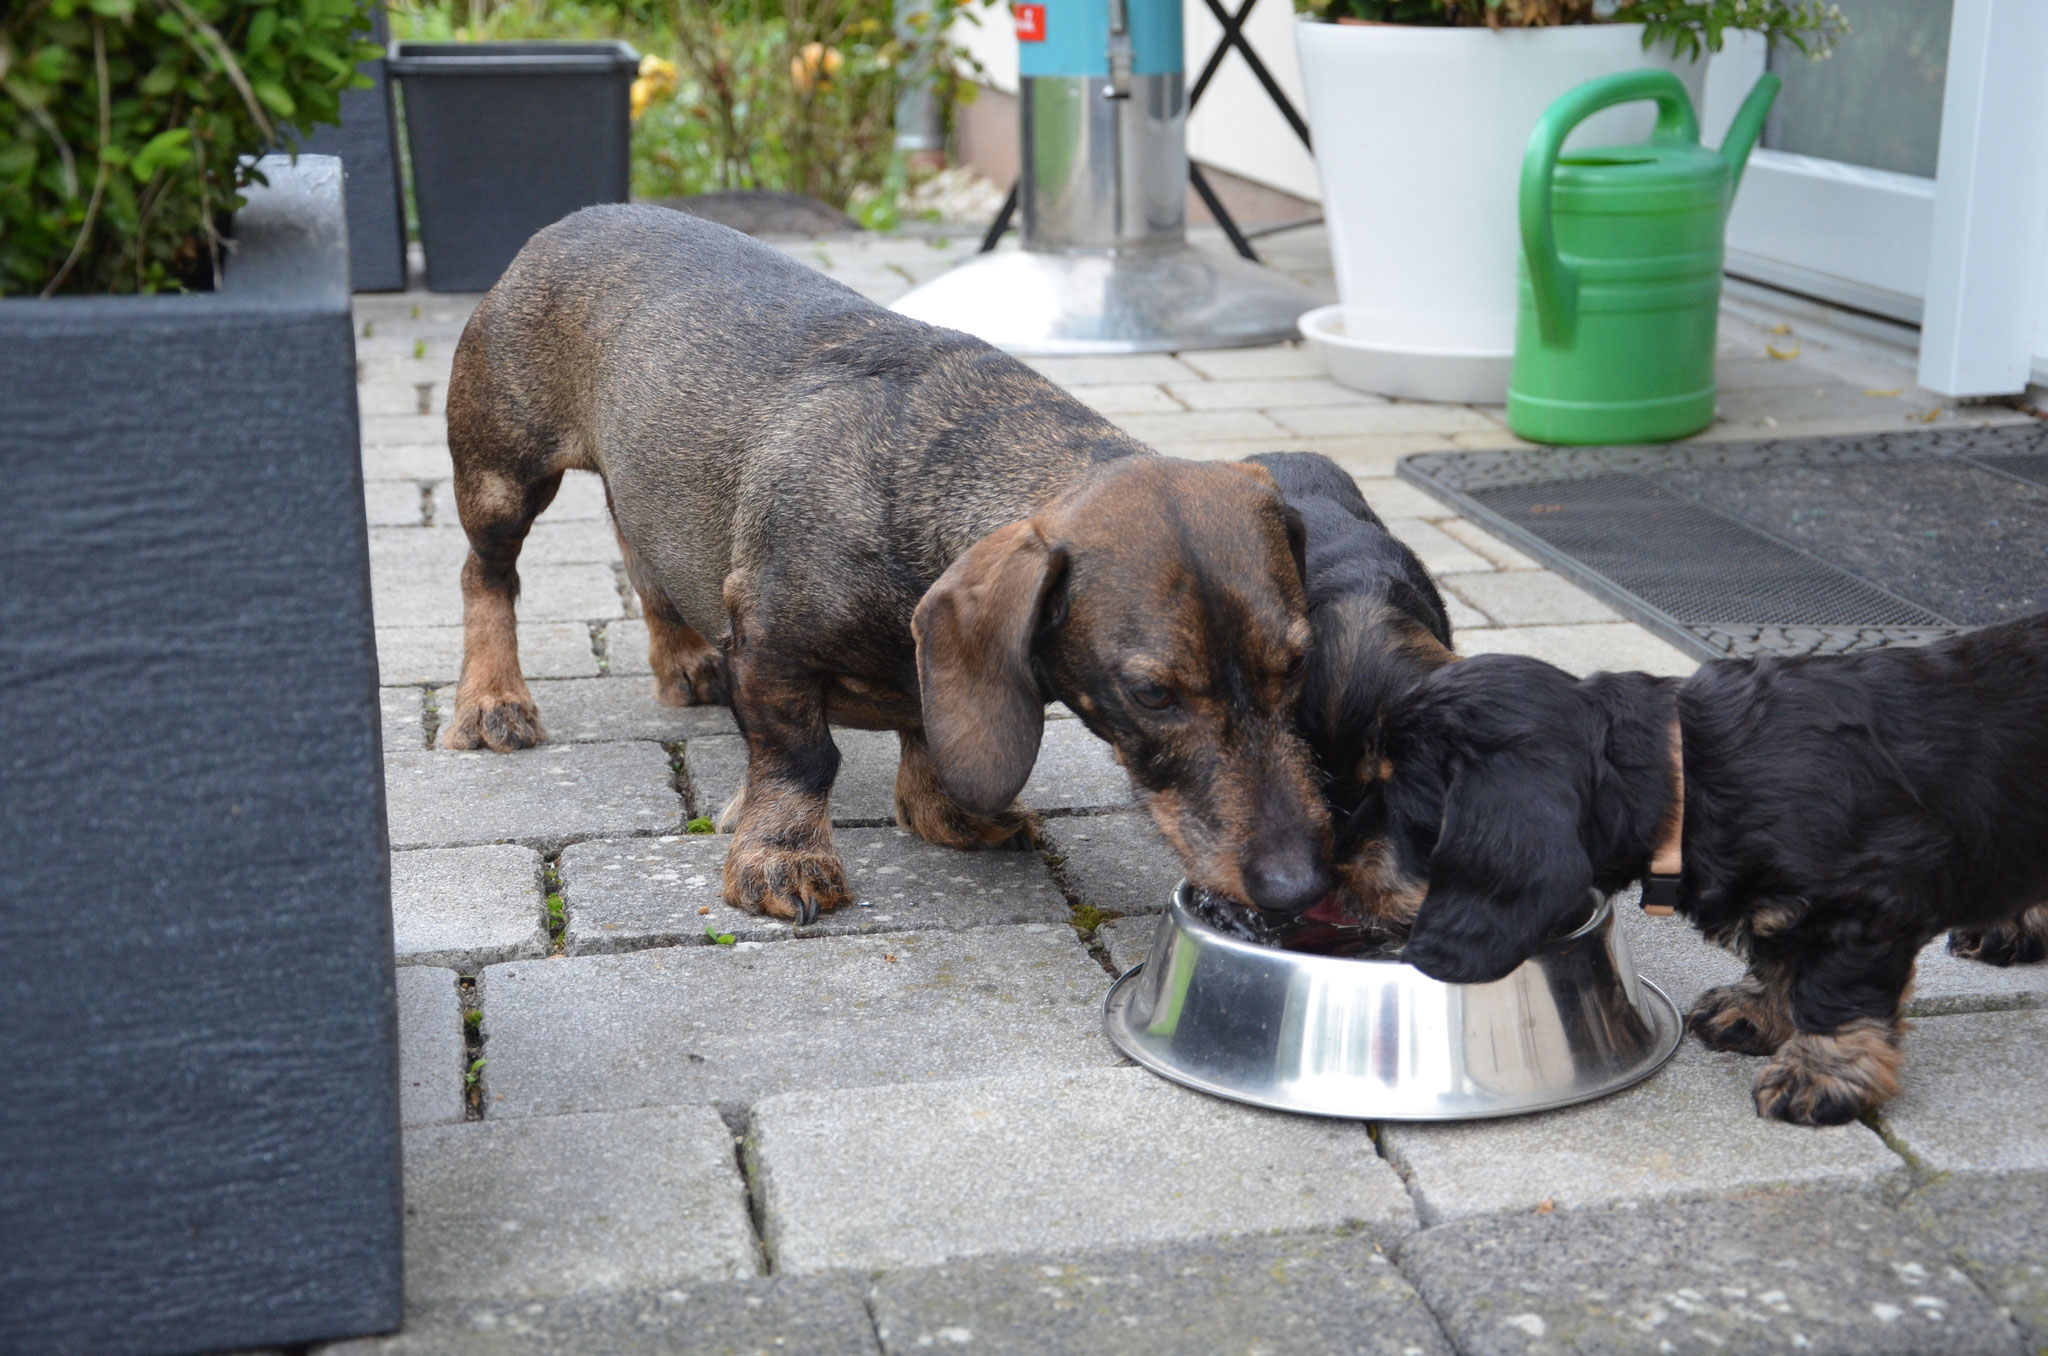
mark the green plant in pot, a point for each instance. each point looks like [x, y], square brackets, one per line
[132, 128]
[1421, 110]
[1813, 26]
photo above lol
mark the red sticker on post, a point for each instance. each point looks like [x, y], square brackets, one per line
[1030, 22]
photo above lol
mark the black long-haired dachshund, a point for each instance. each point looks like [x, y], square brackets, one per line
[1833, 815]
[1380, 626]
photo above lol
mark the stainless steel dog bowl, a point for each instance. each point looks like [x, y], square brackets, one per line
[1380, 1040]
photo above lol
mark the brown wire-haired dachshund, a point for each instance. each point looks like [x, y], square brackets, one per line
[886, 526]
[1832, 815]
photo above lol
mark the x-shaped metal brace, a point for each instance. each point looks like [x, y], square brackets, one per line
[1233, 36]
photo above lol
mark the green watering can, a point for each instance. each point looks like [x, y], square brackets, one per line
[1621, 268]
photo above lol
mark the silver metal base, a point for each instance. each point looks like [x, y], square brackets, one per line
[1378, 1039]
[1153, 302]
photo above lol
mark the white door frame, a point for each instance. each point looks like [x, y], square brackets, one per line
[1990, 241]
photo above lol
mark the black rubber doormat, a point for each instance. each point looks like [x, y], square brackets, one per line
[1794, 545]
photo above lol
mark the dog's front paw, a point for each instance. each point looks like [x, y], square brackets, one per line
[695, 679]
[2018, 942]
[1742, 1019]
[1831, 1079]
[501, 723]
[782, 881]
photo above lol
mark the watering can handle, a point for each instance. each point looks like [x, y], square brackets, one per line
[1556, 283]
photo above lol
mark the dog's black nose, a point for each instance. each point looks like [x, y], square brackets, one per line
[1287, 879]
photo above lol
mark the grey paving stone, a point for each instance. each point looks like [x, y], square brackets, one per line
[406, 597]
[1307, 1293]
[1463, 617]
[1689, 1132]
[733, 1024]
[1133, 399]
[524, 1209]
[2000, 1226]
[1206, 426]
[1802, 1272]
[543, 797]
[467, 907]
[1529, 598]
[1115, 861]
[1974, 1099]
[1107, 371]
[1280, 360]
[1392, 498]
[625, 649]
[393, 503]
[1582, 648]
[430, 1047]
[401, 430]
[1944, 984]
[1670, 952]
[1260, 393]
[796, 1314]
[433, 654]
[1473, 535]
[1075, 771]
[1404, 416]
[1439, 552]
[608, 710]
[625, 894]
[1020, 1165]
[1128, 939]
[401, 709]
[414, 463]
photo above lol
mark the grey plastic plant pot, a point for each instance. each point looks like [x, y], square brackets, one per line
[366, 140]
[199, 1113]
[507, 138]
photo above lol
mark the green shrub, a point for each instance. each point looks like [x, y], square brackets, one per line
[797, 95]
[130, 124]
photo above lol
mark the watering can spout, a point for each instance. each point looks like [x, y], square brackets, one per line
[1747, 127]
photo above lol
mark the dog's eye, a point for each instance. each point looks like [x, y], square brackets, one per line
[1153, 696]
[1295, 666]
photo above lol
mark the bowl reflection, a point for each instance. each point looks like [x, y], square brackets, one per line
[1377, 1039]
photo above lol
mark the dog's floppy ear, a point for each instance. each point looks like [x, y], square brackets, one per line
[983, 713]
[1508, 868]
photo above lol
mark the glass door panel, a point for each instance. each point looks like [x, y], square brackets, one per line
[1838, 202]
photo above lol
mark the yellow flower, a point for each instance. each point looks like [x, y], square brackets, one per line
[657, 80]
[815, 65]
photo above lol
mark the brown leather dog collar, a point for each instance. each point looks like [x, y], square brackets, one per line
[1666, 858]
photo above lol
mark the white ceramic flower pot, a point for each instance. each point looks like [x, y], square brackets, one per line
[1419, 134]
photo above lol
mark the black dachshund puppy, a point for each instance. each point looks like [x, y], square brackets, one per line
[1831, 816]
[1380, 626]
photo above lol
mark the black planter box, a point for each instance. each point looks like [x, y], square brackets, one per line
[366, 140]
[199, 1070]
[509, 137]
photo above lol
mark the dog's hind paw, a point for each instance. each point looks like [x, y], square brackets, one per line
[501, 726]
[700, 682]
[1831, 1079]
[792, 883]
[939, 821]
[2022, 941]
[1742, 1019]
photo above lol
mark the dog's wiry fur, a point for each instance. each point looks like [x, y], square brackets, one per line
[1380, 625]
[835, 514]
[1839, 813]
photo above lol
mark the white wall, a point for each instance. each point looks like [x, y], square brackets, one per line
[1236, 127]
